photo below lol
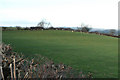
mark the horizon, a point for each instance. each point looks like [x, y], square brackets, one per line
[92, 28]
[66, 13]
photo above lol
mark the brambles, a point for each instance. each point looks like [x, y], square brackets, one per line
[14, 65]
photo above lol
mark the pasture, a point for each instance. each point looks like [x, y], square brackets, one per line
[85, 52]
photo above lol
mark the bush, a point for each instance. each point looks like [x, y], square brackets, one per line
[17, 66]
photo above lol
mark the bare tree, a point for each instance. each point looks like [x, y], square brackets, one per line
[44, 24]
[85, 28]
[82, 24]
[41, 24]
[112, 31]
[49, 25]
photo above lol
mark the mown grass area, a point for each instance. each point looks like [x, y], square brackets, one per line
[85, 52]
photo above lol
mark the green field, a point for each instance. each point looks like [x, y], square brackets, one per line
[84, 52]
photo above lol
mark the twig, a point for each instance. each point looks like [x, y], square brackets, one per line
[14, 68]
[26, 75]
[11, 71]
[2, 72]
[19, 76]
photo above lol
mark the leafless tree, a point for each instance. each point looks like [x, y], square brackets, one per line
[112, 31]
[85, 28]
[41, 24]
[44, 24]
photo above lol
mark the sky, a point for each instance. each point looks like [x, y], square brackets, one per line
[60, 13]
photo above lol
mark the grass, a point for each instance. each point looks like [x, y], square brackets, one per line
[86, 52]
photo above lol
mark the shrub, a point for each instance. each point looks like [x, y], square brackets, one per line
[17, 66]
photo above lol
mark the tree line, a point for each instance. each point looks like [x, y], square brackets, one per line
[44, 25]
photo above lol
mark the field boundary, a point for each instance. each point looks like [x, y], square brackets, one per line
[15, 66]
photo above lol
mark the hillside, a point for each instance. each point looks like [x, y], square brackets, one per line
[87, 52]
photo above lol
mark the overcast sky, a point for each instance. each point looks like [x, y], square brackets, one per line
[96, 13]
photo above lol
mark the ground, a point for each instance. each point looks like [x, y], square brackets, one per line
[85, 52]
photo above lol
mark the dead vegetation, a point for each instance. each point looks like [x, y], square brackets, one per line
[16, 66]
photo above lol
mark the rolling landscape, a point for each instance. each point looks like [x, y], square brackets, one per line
[59, 39]
[85, 52]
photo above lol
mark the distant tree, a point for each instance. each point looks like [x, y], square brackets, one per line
[51, 27]
[112, 31]
[18, 27]
[82, 25]
[41, 24]
[44, 24]
[79, 28]
[26, 28]
[85, 29]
